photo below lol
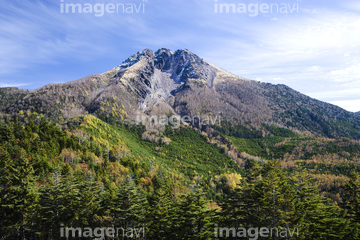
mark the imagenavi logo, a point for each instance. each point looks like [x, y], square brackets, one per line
[99, 9]
[255, 9]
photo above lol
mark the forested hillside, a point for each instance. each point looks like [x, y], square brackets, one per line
[86, 173]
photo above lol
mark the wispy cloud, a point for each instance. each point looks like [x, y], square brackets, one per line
[350, 105]
[33, 32]
[13, 85]
[316, 51]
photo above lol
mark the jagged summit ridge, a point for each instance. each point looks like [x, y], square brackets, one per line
[181, 64]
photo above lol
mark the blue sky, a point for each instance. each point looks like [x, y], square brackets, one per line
[315, 49]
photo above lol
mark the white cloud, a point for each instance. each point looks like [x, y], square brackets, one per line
[347, 74]
[340, 94]
[3, 85]
[350, 105]
[315, 68]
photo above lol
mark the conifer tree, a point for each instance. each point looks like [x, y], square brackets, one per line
[196, 221]
[129, 208]
[315, 216]
[232, 209]
[351, 203]
[86, 202]
[276, 197]
[159, 217]
[19, 197]
[5, 184]
[51, 207]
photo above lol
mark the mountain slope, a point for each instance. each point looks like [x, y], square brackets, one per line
[10, 95]
[180, 82]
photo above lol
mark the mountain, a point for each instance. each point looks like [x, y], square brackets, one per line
[180, 82]
[76, 154]
[357, 112]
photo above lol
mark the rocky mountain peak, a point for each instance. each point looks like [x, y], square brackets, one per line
[181, 66]
[184, 65]
[162, 57]
[135, 58]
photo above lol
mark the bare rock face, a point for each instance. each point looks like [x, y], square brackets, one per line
[183, 84]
